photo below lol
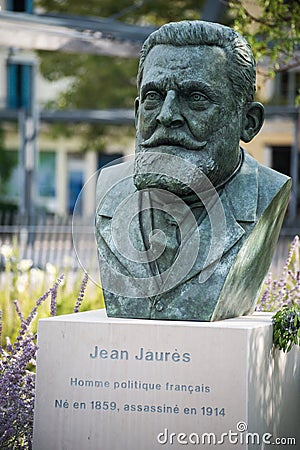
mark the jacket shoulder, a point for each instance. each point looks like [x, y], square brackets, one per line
[270, 183]
[114, 184]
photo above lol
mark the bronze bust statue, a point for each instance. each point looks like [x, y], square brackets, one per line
[187, 230]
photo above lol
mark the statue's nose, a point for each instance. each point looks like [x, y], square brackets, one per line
[170, 115]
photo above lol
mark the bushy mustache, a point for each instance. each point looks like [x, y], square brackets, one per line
[161, 137]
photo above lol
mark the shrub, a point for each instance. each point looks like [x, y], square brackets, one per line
[286, 331]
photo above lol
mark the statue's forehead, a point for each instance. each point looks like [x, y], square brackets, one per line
[184, 56]
[190, 60]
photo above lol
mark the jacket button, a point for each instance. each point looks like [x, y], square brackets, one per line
[159, 306]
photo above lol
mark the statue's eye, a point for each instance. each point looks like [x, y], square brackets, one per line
[198, 97]
[152, 96]
[152, 99]
[198, 101]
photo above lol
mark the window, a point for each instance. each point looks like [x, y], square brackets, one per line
[75, 174]
[281, 161]
[20, 6]
[104, 159]
[46, 174]
[287, 85]
[19, 85]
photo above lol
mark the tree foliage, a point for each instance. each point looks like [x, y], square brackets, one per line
[138, 11]
[272, 28]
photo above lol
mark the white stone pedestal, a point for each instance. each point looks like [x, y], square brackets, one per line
[114, 384]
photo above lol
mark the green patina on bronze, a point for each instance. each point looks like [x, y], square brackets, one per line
[196, 85]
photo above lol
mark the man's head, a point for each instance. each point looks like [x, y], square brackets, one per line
[196, 83]
[242, 68]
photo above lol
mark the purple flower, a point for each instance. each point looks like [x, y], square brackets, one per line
[53, 296]
[17, 381]
[286, 290]
[81, 293]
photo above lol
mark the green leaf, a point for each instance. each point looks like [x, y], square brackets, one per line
[286, 327]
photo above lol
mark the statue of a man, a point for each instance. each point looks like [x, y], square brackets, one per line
[187, 231]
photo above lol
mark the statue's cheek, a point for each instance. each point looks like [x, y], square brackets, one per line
[147, 121]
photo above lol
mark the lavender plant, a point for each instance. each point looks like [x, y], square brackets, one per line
[53, 294]
[17, 384]
[17, 377]
[286, 290]
[283, 296]
[81, 293]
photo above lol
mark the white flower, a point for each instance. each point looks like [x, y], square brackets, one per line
[6, 250]
[37, 277]
[22, 282]
[25, 264]
[51, 269]
[68, 261]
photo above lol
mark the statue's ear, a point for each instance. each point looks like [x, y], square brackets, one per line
[136, 110]
[252, 121]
